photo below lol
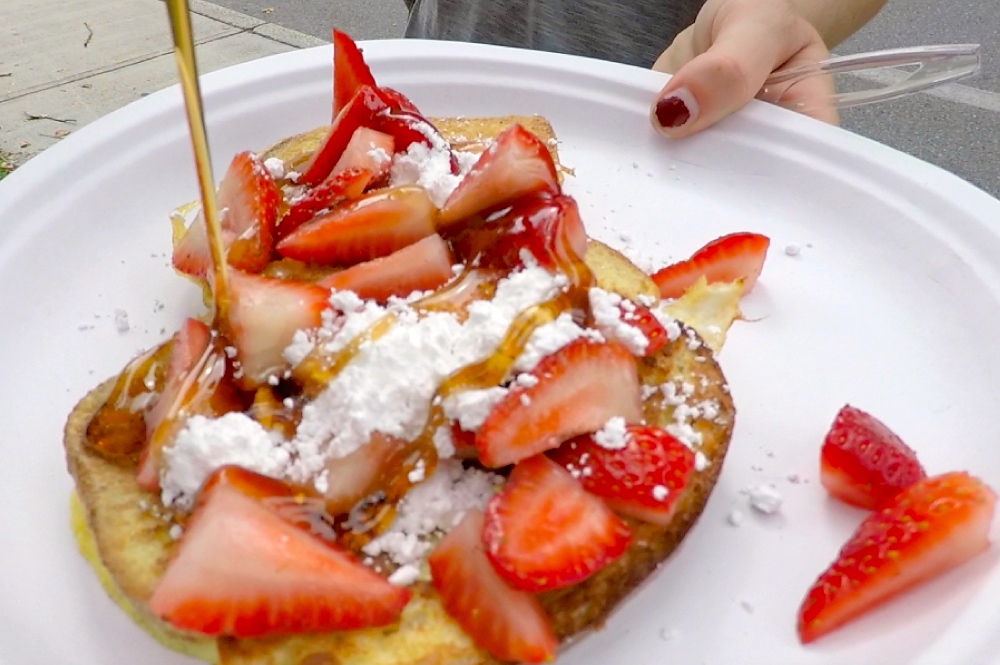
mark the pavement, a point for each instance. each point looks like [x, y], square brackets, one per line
[64, 63]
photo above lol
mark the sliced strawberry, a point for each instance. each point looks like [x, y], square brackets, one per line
[378, 110]
[369, 150]
[422, 266]
[737, 256]
[516, 164]
[864, 462]
[464, 441]
[368, 228]
[264, 315]
[347, 185]
[248, 203]
[547, 226]
[923, 531]
[198, 381]
[242, 570]
[358, 112]
[351, 478]
[350, 71]
[543, 531]
[399, 102]
[511, 625]
[580, 387]
[642, 479]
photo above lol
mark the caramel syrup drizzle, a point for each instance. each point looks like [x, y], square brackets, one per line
[187, 67]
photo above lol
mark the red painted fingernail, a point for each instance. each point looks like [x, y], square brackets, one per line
[676, 109]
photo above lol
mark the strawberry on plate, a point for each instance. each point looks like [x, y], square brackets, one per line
[925, 530]
[368, 149]
[264, 315]
[544, 531]
[198, 381]
[248, 203]
[863, 462]
[350, 71]
[352, 477]
[422, 266]
[514, 165]
[511, 625]
[642, 479]
[240, 569]
[370, 227]
[580, 387]
[346, 185]
[737, 256]
[547, 226]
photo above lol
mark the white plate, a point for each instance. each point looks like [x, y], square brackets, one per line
[893, 305]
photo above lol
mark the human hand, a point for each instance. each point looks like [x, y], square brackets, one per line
[721, 62]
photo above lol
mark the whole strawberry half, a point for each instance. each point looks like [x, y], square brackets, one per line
[510, 624]
[241, 569]
[248, 202]
[925, 530]
[863, 462]
[579, 388]
[737, 256]
[642, 479]
[544, 531]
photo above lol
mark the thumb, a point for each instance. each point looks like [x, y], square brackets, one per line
[726, 76]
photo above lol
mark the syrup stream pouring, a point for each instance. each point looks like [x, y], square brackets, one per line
[187, 67]
[936, 65]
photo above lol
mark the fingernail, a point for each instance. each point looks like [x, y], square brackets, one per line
[676, 109]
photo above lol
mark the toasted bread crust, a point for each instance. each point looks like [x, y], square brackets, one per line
[133, 544]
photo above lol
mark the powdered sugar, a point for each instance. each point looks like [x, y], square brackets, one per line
[388, 385]
[430, 168]
[613, 436]
[610, 312]
[433, 508]
[549, 338]
[205, 444]
[471, 407]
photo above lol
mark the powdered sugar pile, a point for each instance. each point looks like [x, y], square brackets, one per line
[432, 508]
[388, 386]
[205, 444]
[430, 167]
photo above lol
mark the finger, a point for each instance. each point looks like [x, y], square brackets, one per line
[745, 50]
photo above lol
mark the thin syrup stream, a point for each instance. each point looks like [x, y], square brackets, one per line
[187, 67]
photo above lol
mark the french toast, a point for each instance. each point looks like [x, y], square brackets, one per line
[128, 535]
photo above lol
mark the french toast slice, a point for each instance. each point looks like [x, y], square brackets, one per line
[125, 534]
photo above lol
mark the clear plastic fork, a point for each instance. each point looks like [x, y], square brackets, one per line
[936, 65]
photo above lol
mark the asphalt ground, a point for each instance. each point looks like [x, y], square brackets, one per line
[957, 127]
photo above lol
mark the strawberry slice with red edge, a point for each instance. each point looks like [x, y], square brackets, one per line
[642, 475]
[375, 109]
[422, 266]
[264, 315]
[547, 226]
[368, 149]
[198, 381]
[863, 462]
[350, 71]
[737, 256]
[509, 624]
[241, 570]
[928, 528]
[248, 203]
[347, 185]
[514, 165]
[544, 531]
[580, 387]
[373, 226]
